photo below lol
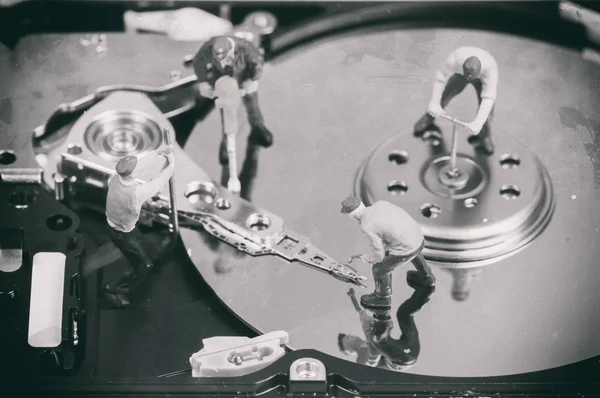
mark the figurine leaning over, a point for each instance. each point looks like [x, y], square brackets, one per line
[395, 239]
[237, 58]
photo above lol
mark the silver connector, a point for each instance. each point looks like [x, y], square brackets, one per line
[59, 186]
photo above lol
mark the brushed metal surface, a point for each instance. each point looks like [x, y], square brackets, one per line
[329, 105]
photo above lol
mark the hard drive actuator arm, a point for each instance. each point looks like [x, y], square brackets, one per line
[283, 242]
[80, 166]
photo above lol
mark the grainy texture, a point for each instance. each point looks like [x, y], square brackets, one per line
[328, 104]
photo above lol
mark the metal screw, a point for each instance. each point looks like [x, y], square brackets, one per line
[307, 369]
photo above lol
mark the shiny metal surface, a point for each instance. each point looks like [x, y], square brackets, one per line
[329, 104]
[10, 260]
[496, 211]
[534, 311]
[87, 159]
[307, 369]
[17, 160]
[115, 134]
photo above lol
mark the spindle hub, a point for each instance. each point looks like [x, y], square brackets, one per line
[479, 212]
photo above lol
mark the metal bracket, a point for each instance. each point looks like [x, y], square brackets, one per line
[17, 159]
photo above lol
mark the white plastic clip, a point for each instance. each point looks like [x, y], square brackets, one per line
[237, 356]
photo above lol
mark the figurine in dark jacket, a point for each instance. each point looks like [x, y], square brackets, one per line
[238, 58]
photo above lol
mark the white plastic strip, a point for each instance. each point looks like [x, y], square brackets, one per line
[46, 306]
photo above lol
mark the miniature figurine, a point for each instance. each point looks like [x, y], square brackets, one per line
[366, 352]
[124, 201]
[466, 65]
[395, 239]
[235, 57]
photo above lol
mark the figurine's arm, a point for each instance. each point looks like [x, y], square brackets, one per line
[376, 245]
[254, 64]
[441, 78]
[488, 94]
[147, 190]
[202, 62]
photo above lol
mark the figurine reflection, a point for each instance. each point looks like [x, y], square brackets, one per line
[248, 172]
[223, 264]
[379, 349]
[463, 279]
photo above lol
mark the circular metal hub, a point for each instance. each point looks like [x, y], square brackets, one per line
[115, 134]
[485, 209]
[453, 178]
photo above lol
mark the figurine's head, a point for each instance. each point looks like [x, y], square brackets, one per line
[472, 68]
[223, 50]
[126, 166]
[348, 344]
[353, 207]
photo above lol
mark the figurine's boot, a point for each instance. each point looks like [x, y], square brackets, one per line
[487, 146]
[116, 291]
[423, 275]
[259, 133]
[382, 297]
[426, 123]
[129, 285]
[483, 141]
[118, 301]
[118, 285]
[164, 248]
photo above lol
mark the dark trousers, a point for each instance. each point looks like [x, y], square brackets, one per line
[256, 121]
[255, 117]
[455, 85]
[382, 272]
[131, 244]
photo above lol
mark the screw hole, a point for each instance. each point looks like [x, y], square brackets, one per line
[74, 149]
[510, 161]
[397, 188]
[317, 259]
[59, 222]
[429, 210]
[510, 192]
[7, 157]
[470, 202]
[222, 204]
[398, 157]
[307, 370]
[258, 222]
[197, 192]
